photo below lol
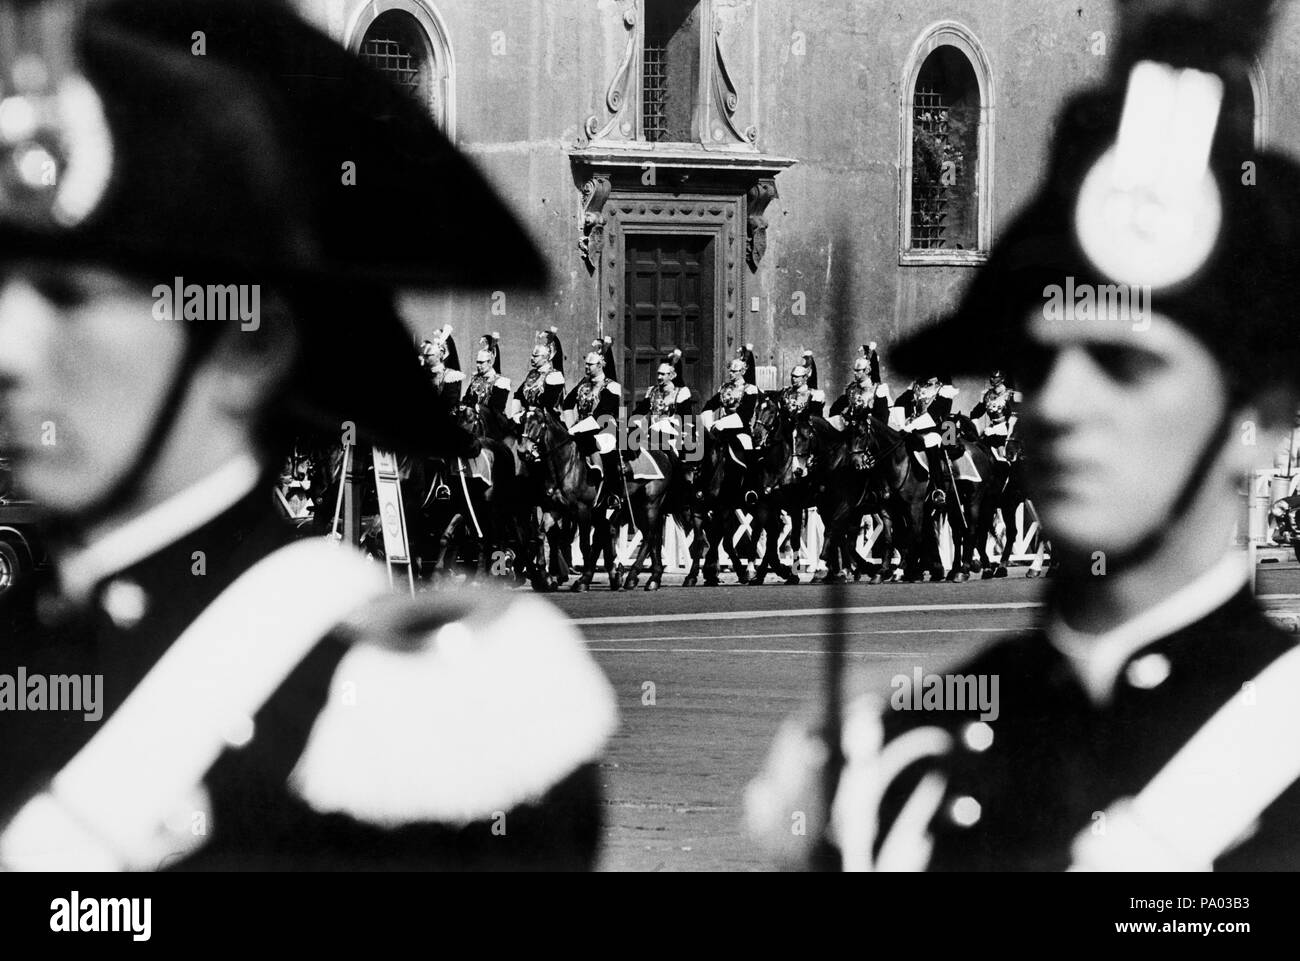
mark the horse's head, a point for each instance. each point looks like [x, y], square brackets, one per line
[533, 435]
[1015, 450]
[469, 419]
[863, 446]
[767, 422]
[803, 449]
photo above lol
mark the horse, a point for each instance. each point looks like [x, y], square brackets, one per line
[964, 500]
[844, 496]
[650, 502]
[564, 493]
[484, 514]
[889, 462]
[1007, 492]
[783, 453]
[713, 512]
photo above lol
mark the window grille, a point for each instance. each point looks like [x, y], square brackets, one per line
[654, 92]
[931, 198]
[395, 60]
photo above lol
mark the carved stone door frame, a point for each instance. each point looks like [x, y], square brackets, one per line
[721, 218]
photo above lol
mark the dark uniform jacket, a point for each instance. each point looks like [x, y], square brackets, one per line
[491, 391]
[368, 794]
[999, 403]
[448, 384]
[859, 401]
[913, 406]
[1056, 759]
[660, 403]
[731, 398]
[542, 390]
[808, 402]
[591, 400]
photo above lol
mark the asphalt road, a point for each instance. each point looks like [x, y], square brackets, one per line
[705, 675]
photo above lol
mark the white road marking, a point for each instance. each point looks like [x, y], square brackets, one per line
[803, 612]
[728, 650]
[750, 637]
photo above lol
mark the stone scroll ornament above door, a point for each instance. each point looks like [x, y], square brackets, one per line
[717, 99]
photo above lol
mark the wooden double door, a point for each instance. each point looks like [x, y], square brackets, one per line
[668, 303]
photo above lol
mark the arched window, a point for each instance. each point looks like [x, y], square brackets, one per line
[406, 40]
[946, 149]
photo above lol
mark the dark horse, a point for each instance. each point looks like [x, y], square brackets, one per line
[784, 452]
[848, 489]
[713, 512]
[649, 504]
[963, 499]
[484, 515]
[1006, 493]
[564, 493]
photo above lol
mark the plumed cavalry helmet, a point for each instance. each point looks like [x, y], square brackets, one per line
[746, 354]
[492, 344]
[550, 339]
[1236, 294]
[229, 142]
[605, 347]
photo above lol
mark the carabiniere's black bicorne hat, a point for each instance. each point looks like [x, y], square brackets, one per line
[228, 142]
[1238, 299]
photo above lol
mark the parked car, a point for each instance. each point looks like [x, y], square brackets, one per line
[21, 550]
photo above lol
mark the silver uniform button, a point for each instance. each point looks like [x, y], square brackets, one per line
[977, 736]
[1148, 672]
[125, 602]
[965, 811]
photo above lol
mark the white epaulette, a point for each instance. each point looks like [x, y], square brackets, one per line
[751, 389]
[882, 390]
[555, 377]
[614, 388]
[683, 395]
[817, 396]
[453, 377]
[503, 383]
[458, 723]
[949, 391]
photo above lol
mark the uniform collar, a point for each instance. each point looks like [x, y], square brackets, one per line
[147, 533]
[1097, 659]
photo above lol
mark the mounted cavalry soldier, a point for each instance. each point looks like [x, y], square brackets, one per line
[666, 407]
[728, 415]
[543, 385]
[259, 702]
[1147, 722]
[866, 394]
[487, 388]
[919, 412]
[593, 405]
[801, 401]
[998, 404]
[442, 363]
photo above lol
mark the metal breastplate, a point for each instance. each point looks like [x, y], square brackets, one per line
[588, 396]
[663, 402]
[534, 384]
[730, 395]
[922, 398]
[795, 399]
[480, 388]
[995, 404]
[860, 398]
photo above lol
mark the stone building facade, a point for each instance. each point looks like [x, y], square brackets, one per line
[695, 169]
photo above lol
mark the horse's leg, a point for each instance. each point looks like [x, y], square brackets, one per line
[585, 546]
[633, 572]
[657, 521]
[699, 546]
